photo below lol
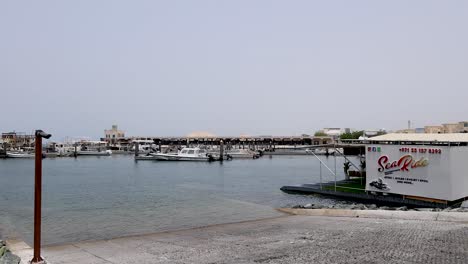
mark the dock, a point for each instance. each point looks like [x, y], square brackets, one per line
[390, 200]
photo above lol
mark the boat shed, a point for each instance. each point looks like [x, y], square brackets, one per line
[431, 167]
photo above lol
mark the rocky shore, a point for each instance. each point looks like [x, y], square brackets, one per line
[6, 257]
[360, 206]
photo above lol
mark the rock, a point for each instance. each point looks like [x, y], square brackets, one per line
[436, 210]
[2, 251]
[297, 206]
[464, 205]
[403, 208]
[455, 210]
[317, 206]
[2, 243]
[308, 206]
[372, 207]
[448, 209]
[424, 209]
[384, 208]
[9, 258]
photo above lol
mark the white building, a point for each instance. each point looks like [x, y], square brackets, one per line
[418, 166]
[111, 135]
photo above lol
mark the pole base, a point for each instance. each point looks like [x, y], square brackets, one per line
[37, 261]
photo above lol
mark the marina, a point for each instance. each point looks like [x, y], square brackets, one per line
[91, 198]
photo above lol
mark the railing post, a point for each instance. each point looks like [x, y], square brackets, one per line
[38, 196]
[320, 174]
[335, 168]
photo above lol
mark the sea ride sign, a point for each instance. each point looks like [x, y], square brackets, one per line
[423, 171]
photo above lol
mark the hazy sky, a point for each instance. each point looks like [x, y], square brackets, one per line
[74, 68]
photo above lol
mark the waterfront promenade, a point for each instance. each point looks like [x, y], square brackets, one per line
[284, 239]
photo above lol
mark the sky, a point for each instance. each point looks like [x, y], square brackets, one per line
[167, 68]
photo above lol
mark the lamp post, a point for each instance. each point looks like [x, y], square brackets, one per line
[38, 196]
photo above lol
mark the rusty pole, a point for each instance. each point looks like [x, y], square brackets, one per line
[38, 195]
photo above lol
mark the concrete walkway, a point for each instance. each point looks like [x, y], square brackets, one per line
[287, 239]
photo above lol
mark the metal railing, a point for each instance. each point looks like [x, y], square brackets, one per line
[333, 172]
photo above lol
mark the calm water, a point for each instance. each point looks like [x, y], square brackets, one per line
[104, 197]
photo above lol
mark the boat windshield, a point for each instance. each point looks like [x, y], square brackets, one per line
[191, 151]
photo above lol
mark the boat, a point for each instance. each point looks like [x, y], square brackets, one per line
[20, 155]
[242, 154]
[144, 146]
[94, 153]
[93, 148]
[186, 154]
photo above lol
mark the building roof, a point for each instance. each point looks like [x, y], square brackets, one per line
[420, 137]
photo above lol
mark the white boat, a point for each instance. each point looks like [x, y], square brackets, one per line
[242, 154]
[186, 154]
[20, 155]
[93, 148]
[144, 146]
[94, 153]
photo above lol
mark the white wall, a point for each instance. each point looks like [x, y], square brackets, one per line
[436, 180]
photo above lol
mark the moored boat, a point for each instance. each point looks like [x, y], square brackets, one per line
[93, 148]
[186, 154]
[242, 154]
[20, 155]
[94, 153]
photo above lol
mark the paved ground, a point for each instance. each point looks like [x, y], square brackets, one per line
[289, 239]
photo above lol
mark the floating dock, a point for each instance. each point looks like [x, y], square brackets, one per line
[391, 200]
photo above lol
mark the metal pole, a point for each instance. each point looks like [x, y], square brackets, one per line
[320, 175]
[360, 161]
[137, 149]
[38, 196]
[335, 169]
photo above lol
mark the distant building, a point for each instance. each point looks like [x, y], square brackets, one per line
[419, 130]
[452, 128]
[406, 131]
[112, 135]
[433, 129]
[18, 139]
[333, 132]
[460, 127]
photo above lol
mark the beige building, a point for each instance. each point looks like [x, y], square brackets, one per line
[113, 134]
[453, 128]
[460, 127]
[433, 129]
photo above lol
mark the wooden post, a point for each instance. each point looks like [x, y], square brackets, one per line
[137, 148]
[221, 150]
[38, 196]
[76, 150]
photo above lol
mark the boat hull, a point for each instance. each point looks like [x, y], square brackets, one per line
[172, 157]
[20, 155]
[93, 153]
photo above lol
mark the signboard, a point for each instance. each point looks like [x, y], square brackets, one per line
[409, 170]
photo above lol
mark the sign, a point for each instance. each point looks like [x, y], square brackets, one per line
[408, 170]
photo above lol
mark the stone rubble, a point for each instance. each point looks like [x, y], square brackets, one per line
[360, 206]
[6, 257]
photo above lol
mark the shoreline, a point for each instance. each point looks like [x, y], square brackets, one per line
[270, 240]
